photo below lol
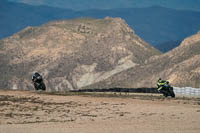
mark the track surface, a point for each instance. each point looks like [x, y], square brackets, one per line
[30, 112]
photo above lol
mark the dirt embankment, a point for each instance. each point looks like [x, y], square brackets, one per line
[25, 111]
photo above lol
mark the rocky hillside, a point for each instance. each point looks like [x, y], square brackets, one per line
[72, 54]
[181, 67]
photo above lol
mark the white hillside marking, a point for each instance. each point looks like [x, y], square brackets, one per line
[93, 77]
[14, 87]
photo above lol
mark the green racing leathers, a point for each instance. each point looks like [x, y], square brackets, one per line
[161, 85]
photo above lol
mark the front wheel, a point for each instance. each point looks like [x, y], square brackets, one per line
[39, 86]
[172, 93]
[36, 85]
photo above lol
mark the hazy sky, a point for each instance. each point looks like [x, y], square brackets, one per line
[109, 4]
[32, 2]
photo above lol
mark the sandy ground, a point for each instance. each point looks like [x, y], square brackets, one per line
[30, 112]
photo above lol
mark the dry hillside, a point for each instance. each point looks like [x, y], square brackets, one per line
[72, 54]
[181, 67]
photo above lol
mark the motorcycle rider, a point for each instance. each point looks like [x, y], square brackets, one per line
[38, 81]
[165, 88]
[161, 85]
[36, 77]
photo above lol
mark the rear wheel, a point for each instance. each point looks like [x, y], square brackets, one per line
[165, 94]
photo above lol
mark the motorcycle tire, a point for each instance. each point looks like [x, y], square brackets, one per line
[42, 86]
[165, 95]
[36, 85]
[172, 92]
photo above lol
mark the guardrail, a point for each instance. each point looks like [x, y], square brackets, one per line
[184, 91]
[187, 91]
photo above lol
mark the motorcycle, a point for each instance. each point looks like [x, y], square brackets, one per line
[39, 84]
[168, 91]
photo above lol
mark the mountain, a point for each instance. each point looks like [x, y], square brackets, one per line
[180, 66]
[71, 54]
[94, 53]
[156, 25]
[109, 4]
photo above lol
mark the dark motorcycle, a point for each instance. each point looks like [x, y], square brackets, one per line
[39, 84]
[168, 91]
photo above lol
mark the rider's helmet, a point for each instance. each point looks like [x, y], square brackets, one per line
[159, 79]
[36, 74]
[36, 77]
